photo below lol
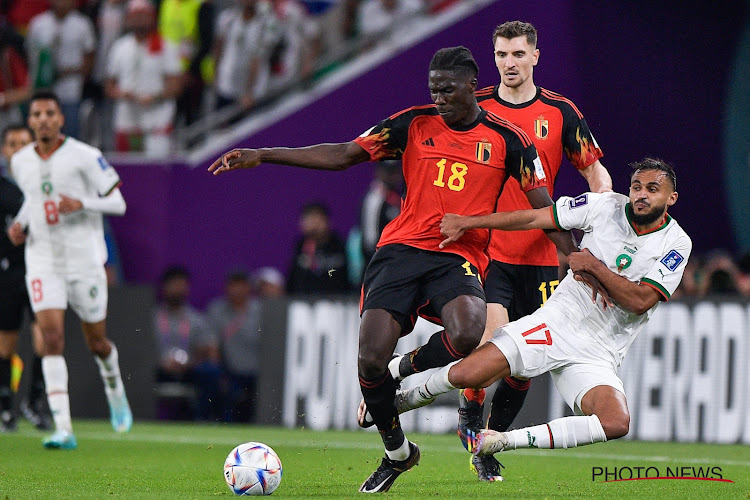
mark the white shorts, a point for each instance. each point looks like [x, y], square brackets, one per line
[576, 364]
[87, 295]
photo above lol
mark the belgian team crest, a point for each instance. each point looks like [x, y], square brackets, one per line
[484, 152]
[541, 127]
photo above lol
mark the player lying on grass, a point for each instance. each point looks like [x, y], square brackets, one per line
[636, 251]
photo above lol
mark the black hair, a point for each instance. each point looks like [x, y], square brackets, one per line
[655, 164]
[44, 94]
[14, 127]
[173, 272]
[458, 59]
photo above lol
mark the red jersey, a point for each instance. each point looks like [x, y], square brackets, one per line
[449, 170]
[555, 126]
[13, 74]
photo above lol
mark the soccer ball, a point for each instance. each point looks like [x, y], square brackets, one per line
[252, 469]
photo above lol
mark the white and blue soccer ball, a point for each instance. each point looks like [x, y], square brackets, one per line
[252, 469]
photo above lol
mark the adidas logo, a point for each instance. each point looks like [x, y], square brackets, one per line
[429, 142]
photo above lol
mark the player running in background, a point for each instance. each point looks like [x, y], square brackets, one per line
[524, 268]
[14, 299]
[637, 252]
[456, 157]
[67, 186]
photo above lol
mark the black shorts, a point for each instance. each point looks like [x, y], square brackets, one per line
[520, 289]
[407, 282]
[14, 300]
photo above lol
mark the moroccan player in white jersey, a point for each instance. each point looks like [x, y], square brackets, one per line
[67, 186]
[637, 252]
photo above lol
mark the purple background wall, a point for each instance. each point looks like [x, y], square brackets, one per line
[650, 77]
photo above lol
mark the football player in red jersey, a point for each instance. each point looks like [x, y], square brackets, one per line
[456, 158]
[524, 268]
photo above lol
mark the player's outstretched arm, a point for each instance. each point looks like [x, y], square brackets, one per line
[597, 177]
[454, 226]
[633, 297]
[339, 156]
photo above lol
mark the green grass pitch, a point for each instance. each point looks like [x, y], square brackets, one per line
[160, 460]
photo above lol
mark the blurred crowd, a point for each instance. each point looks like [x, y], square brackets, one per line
[129, 73]
[717, 273]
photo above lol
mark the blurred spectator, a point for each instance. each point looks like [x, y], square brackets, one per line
[381, 204]
[743, 278]
[235, 317]
[269, 283]
[319, 264]
[144, 79]
[189, 24]
[245, 36]
[721, 274]
[692, 279]
[298, 46]
[61, 47]
[109, 16]
[188, 351]
[15, 86]
[380, 19]
[21, 12]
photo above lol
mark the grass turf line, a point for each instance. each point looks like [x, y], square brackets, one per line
[160, 460]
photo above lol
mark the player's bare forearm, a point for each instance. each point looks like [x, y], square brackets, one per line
[338, 156]
[597, 177]
[631, 296]
[454, 226]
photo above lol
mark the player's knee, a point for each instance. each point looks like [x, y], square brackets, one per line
[465, 338]
[53, 341]
[371, 363]
[461, 376]
[616, 425]
[98, 346]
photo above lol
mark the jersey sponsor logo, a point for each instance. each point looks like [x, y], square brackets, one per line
[541, 127]
[93, 292]
[579, 201]
[623, 261]
[484, 152]
[103, 163]
[47, 187]
[672, 260]
[429, 142]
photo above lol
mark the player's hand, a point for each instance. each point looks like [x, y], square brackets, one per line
[582, 261]
[234, 159]
[451, 228]
[16, 234]
[68, 205]
[596, 288]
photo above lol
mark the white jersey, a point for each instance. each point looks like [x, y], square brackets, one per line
[67, 244]
[656, 258]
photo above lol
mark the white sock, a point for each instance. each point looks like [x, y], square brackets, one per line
[566, 432]
[438, 382]
[55, 372]
[400, 453]
[109, 369]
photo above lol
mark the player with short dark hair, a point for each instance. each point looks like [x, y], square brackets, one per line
[456, 157]
[14, 300]
[524, 270]
[67, 186]
[636, 251]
